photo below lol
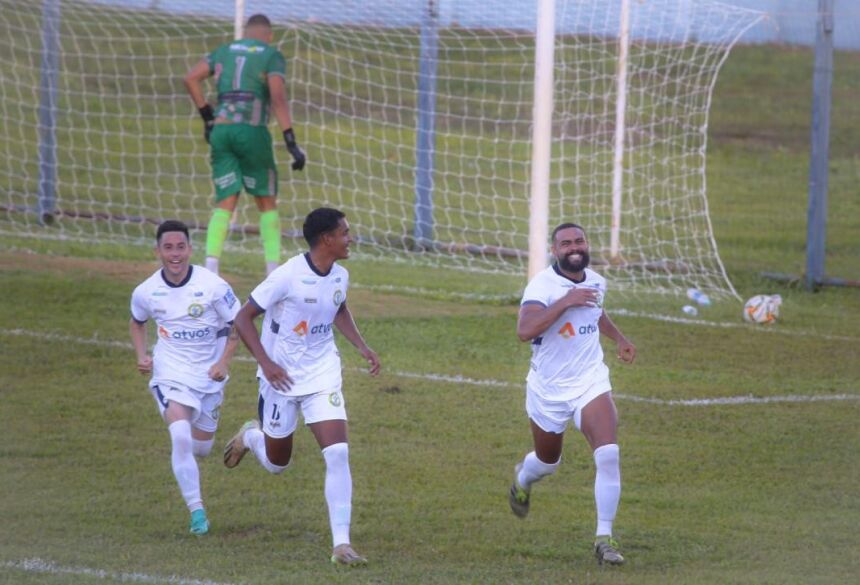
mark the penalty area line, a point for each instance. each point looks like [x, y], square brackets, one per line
[41, 566]
[481, 382]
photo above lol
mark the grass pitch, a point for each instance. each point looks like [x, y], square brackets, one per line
[758, 490]
[735, 493]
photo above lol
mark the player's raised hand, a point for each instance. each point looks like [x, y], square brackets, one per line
[372, 360]
[297, 153]
[144, 366]
[277, 376]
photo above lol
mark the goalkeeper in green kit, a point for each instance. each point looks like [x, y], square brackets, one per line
[250, 77]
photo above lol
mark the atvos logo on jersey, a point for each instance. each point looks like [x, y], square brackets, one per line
[321, 328]
[189, 334]
[302, 328]
[567, 331]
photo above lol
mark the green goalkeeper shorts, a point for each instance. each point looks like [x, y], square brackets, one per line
[241, 156]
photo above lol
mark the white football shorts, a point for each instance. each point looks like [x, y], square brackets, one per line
[553, 416]
[280, 412]
[206, 405]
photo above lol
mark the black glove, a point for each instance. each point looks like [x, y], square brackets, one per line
[297, 153]
[208, 120]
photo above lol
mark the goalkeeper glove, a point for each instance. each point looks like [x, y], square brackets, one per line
[297, 153]
[208, 120]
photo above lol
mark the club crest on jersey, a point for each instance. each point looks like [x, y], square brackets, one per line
[301, 328]
[338, 297]
[567, 331]
[195, 310]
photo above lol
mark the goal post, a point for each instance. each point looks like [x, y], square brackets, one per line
[422, 120]
[620, 127]
[541, 136]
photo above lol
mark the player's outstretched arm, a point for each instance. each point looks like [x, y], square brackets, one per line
[244, 324]
[193, 81]
[138, 340]
[626, 350]
[281, 110]
[346, 325]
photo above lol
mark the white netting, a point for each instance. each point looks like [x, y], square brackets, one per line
[130, 153]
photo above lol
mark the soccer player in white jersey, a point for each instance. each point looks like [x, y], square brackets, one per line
[193, 310]
[562, 314]
[299, 366]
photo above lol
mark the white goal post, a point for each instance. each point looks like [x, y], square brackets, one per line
[420, 119]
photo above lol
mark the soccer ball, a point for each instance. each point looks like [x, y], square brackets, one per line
[762, 308]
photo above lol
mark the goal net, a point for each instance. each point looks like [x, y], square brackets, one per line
[416, 117]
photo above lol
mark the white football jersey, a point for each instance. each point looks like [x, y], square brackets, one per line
[301, 305]
[192, 320]
[567, 356]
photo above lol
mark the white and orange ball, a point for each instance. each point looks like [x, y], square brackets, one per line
[762, 309]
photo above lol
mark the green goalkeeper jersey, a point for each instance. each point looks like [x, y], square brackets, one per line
[241, 71]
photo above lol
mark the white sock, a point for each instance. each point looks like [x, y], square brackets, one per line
[607, 487]
[255, 440]
[338, 491]
[212, 264]
[201, 448]
[533, 469]
[184, 465]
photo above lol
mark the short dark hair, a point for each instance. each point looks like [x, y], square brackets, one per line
[171, 225]
[259, 20]
[564, 226]
[320, 221]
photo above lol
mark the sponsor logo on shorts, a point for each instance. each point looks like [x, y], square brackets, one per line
[195, 310]
[335, 399]
[225, 180]
[250, 182]
[216, 413]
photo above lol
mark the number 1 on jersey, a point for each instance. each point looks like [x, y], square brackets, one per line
[237, 75]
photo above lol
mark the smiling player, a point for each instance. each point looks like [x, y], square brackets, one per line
[562, 315]
[299, 366]
[193, 311]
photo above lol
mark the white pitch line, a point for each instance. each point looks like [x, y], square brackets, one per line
[456, 379]
[37, 565]
[731, 325]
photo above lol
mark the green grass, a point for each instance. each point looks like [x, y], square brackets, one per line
[743, 494]
[712, 494]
